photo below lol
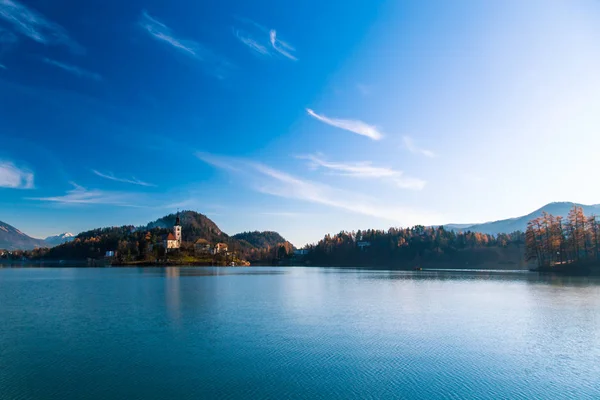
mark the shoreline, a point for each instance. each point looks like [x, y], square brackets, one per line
[569, 270]
[564, 271]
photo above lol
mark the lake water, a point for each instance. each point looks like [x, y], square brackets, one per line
[282, 333]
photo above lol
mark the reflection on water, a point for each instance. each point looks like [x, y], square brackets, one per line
[188, 333]
[173, 295]
[173, 283]
[465, 275]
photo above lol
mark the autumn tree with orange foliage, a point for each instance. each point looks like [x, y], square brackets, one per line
[551, 241]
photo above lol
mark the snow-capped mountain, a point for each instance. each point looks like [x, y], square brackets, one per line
[59, 239]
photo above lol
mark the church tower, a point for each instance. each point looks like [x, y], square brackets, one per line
[177, 230]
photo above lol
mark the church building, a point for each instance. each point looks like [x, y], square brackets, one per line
[173, 239]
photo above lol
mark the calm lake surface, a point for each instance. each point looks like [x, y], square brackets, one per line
[280, 333]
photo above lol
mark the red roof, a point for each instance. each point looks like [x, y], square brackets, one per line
[171, 237]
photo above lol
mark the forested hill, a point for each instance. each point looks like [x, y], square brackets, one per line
[261, 239]
[11, 239]
[193, 226]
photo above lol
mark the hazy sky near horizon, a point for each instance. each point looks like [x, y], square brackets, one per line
[305, 118]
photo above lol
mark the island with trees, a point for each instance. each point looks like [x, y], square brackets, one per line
[200, 243]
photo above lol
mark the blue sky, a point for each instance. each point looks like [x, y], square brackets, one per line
[303, 118]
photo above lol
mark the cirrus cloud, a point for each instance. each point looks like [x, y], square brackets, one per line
[35, 26]
[251, 42]
[214, 64]
[263, 41]
[80, 195]
[351, 125]
[280, 46]
[274, 182]
[411, 146]
[72, 69]
[367, 170]
[132, 180]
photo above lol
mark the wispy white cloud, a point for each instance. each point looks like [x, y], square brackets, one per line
[80, 72]
[281, 46]
[2, 66]
[354, 126]
[410, 145]
[132, 181]
[356, 169]
[80, 195]
[252, 43]
[263, 41]
[215, 64]
[162, 32]
[222, 162]
[15, 178]
[368, 171]
[286, 185]
[267, 180]
[34, 25]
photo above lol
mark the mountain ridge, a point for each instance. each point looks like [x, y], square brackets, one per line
[509, 225]
[55, 240]
[13, 239]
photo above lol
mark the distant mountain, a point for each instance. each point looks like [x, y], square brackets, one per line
[457, 227]
[520, 223]
[52, 241]
[13, 239]
[261, 239]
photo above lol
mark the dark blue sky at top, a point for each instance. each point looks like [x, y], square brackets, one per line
[115, 125]
[149, 91]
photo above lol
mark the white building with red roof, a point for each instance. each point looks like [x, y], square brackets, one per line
[173, 239]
